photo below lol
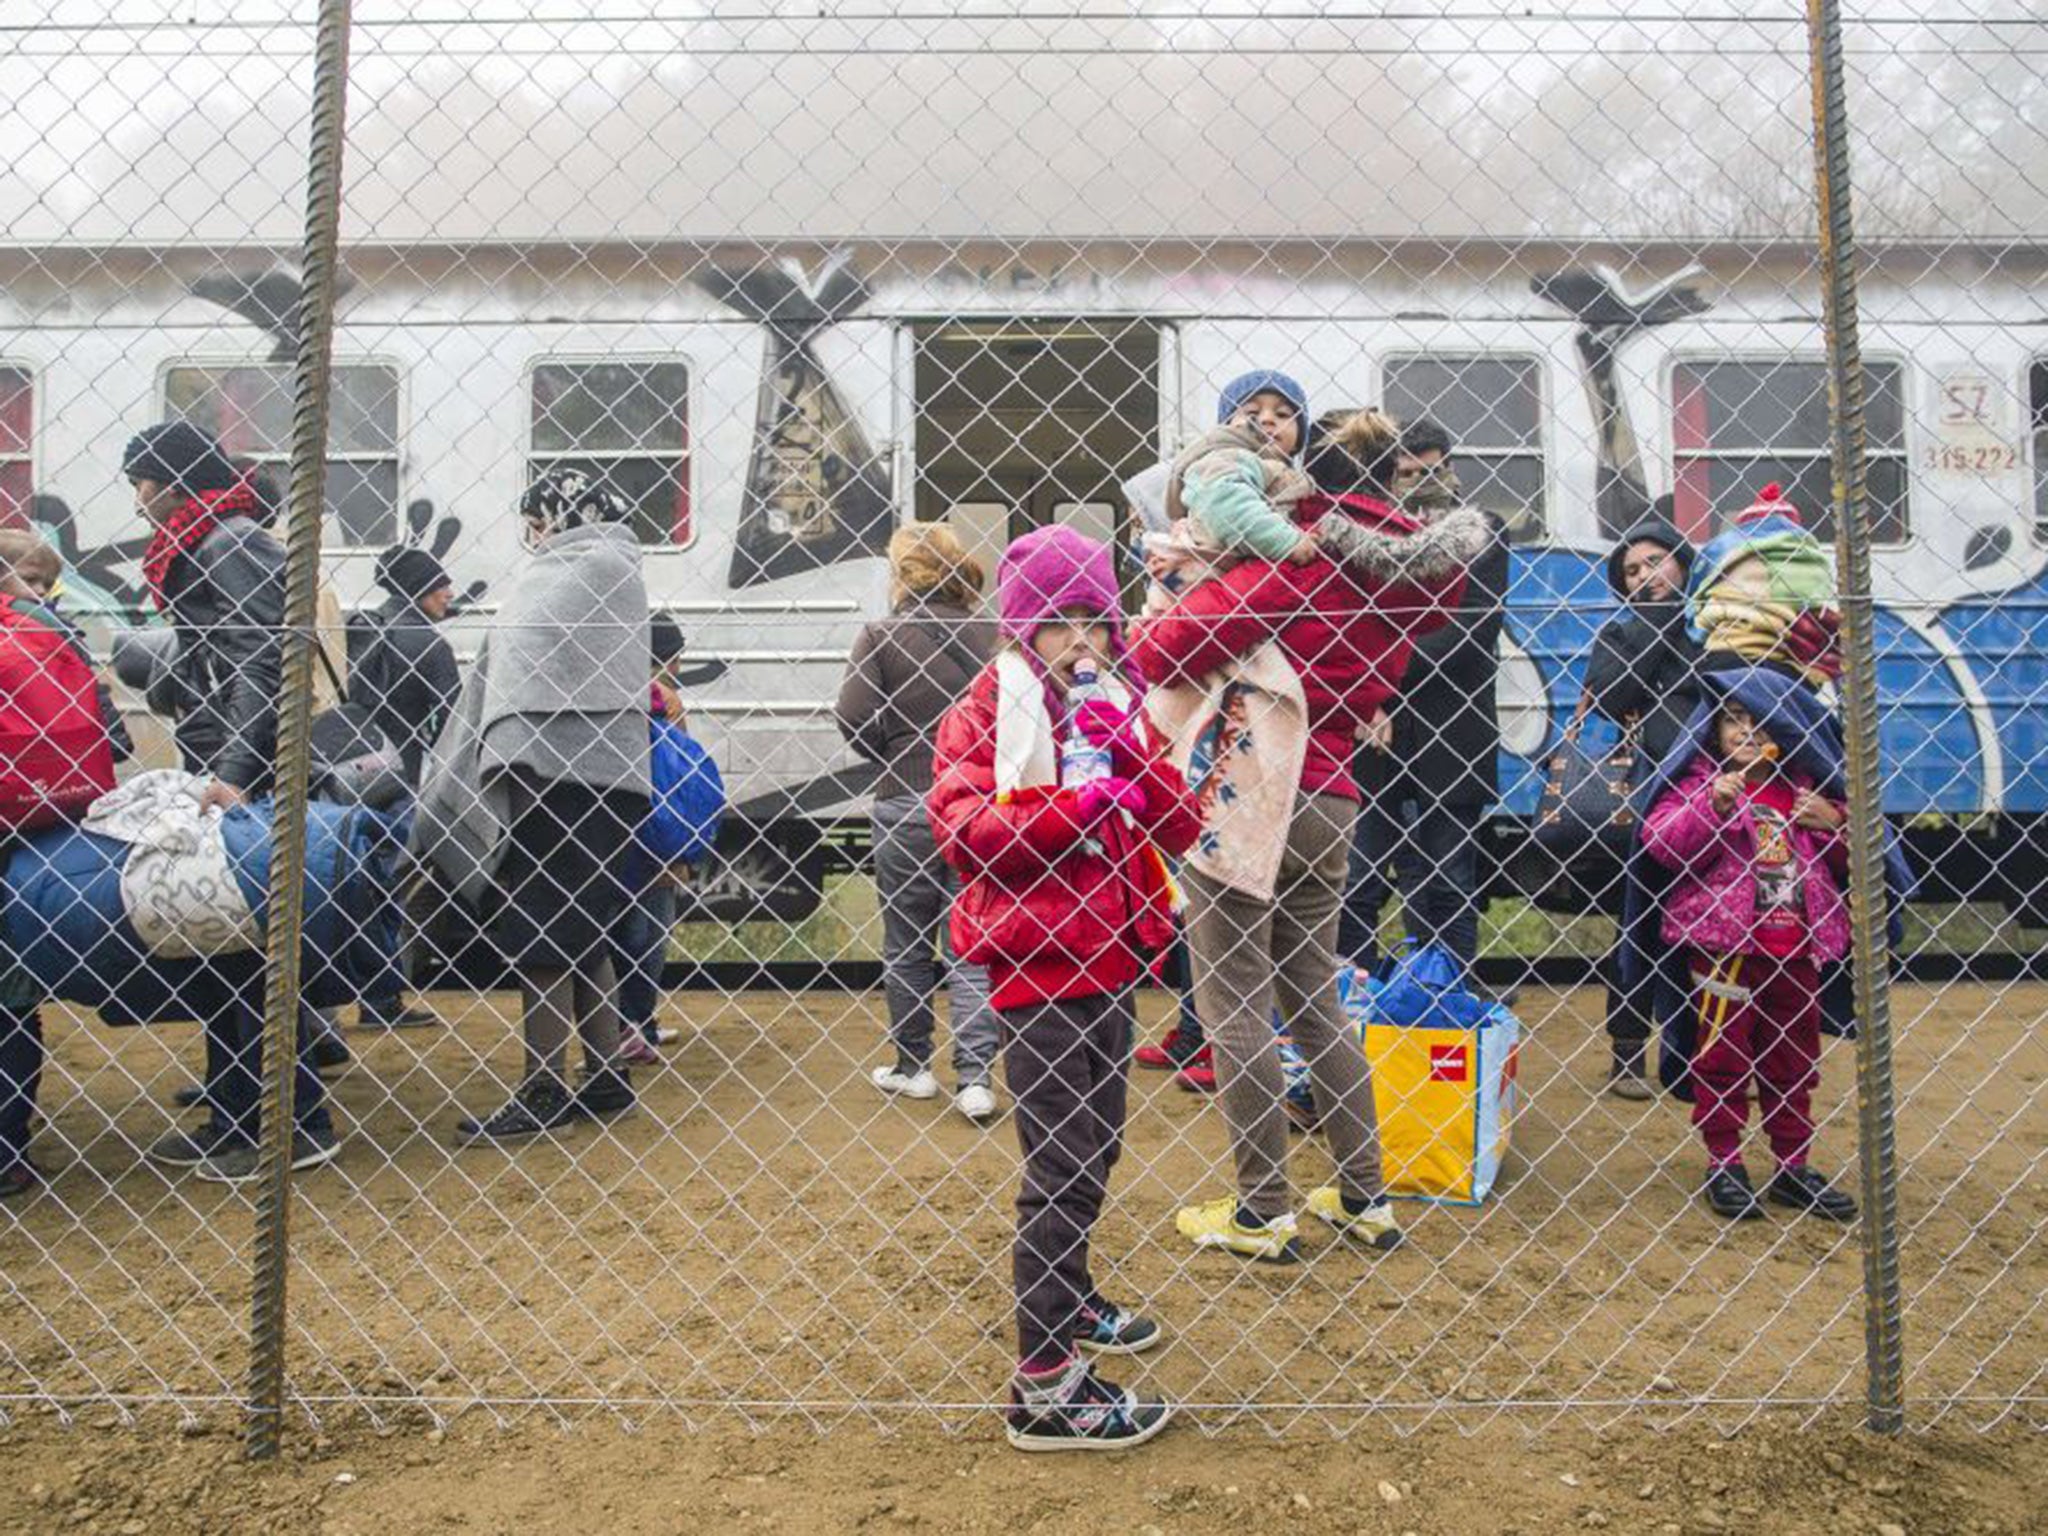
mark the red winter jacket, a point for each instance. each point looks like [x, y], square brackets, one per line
[1346, 631]
[1050, 918]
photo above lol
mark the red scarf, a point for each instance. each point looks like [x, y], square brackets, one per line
[185, 528]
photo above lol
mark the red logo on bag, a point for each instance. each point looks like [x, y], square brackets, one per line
[1449, 1064]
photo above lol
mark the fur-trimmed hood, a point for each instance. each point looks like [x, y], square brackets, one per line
[1379, 544]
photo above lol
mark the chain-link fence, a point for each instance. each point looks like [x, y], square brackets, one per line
[685, 375]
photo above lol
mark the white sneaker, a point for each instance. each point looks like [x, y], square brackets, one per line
[893, 1080]
[976, 1102]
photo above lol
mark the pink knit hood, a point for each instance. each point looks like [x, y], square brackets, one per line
[1052, 568]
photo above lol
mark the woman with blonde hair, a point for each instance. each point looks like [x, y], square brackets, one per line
[905, 672]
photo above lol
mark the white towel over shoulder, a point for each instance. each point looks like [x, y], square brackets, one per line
[1027, 748]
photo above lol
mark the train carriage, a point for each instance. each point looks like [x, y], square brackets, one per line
[781, 318]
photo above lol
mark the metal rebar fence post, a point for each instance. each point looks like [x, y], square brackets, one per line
[320, 261]
[1869, 905]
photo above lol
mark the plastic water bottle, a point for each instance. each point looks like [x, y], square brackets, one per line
[1081, 760]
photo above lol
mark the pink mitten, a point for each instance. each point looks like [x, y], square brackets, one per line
[1101, 721]
[1098, 797]
[1117, 729]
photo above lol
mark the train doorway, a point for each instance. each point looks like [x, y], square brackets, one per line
[1024, 422]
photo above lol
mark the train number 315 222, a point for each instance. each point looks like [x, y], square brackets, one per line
[1987, 459]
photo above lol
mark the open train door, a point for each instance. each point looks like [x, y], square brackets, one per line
[1020, 422]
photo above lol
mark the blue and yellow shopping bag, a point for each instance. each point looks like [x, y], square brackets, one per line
[1443, 1078]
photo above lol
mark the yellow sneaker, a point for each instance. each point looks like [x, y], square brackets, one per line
[1376, 1226]
[1214, 1224]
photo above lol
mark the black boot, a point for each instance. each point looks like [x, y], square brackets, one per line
[1730, 1194]
[1810, 1194]
[605, 1094]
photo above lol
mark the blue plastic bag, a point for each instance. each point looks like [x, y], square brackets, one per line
[689, 797]
[1426, 990]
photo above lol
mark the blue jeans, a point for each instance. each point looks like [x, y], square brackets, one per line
[640, 954]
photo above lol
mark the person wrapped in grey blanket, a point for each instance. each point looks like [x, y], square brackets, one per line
[538, 782]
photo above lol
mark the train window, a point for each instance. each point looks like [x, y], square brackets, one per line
[627, 424]
[1738, 426]
[17, 428]
[1492, 407]
[249, 408]
[2037, 402]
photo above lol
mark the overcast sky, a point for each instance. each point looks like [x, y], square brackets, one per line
[644, 119]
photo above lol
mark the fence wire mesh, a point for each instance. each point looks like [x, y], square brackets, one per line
[694, 369]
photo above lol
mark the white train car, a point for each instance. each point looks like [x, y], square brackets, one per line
[790, 283]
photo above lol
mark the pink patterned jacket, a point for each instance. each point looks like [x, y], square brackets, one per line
[1711, 906]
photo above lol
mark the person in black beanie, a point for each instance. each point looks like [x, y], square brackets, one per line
[218, 576]
[1642, 674]
[400, 668]
[404, 673]
[180, 461]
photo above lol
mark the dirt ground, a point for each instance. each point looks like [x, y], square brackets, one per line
[767, 1243]
[1498, 1481]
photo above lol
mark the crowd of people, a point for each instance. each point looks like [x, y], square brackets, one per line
[1226, 791]
[1220, 794]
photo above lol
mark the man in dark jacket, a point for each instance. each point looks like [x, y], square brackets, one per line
[399, 667]
[219, 577]
[1428, 785]
[1642, 675]
[404, 673]
[1641, 671]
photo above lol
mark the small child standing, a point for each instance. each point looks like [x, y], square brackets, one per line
[1756, 904]
[1058, 813]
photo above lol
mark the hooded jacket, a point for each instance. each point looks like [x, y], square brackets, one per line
[1054, 908]
[1644, 664]
[404, 672]
[1346, 635]
[1711, 903]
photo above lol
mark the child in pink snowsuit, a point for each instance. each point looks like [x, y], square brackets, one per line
[1756, 906]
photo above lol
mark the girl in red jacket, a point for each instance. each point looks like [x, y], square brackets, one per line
[1065, 899]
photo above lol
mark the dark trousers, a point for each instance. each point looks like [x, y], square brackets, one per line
[1068, 1066]
[1178, 974]
[1434, 850]
[234, 1067]
[916, 889]
[641, 955]
[21, 1074]
[1629, 1009]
